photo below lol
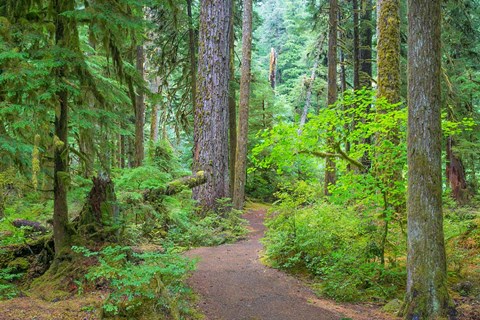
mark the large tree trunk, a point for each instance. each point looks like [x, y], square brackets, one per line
[242, 139]
[211, 112]
[330, 174]
[60, 207]
[139, 110]
[232, 108]
[427, 295]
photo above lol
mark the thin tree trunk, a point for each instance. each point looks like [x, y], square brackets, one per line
[60, 204]
[232, 108]
[356, 47]
[242, 139]
[139, 110]
[308, 98]
[427, 294]
[330, 175]
[273, 68]
[211, 112]
[365, 60]
[192, 47]
[155, 119]
[455, 173]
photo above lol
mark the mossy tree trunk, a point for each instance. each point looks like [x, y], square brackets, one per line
[242, 138]
[63, 40]
[211, 111]
[427, 295]
[387, 167]
[330, 169]
[139, 110]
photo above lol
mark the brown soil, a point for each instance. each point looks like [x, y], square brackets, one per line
[234, 285]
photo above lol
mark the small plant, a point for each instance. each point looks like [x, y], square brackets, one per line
[140, 279]
[7, 288]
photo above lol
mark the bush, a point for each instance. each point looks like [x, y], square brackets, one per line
[336, 245]
[140, 280]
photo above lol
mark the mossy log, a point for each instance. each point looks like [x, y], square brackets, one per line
[31, 247]
[176, 186]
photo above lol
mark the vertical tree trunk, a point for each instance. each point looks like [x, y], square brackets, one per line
[365, 59]
[211, 112]
[155, 119]
[242, 139]
[308, 98]
[330, 175]
[365, 50]
[356, 47]
[273, 68]
[427, 295]
[191, 48]
[232, 108]
[388, 66]
[60, 205]
[455, 173]
[139, 110]
[388, 48]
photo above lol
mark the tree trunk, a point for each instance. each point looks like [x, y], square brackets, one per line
[388, 49]
[191, 47]
[427, 295]
[273, 68]
[242, 139]
[155, 119]
[211, 112]
[330, 175]
[176, 186]
[356, 47]
[308, 98]
[232, 108]
[139, 110]
[60, 205]
[388, 66]
[365, 60]
[455, 173]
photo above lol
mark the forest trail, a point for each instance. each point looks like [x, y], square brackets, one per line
[234, 285]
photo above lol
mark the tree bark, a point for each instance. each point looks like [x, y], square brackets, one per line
[330, 175]
[308, 98]
[191, 47]
[273, 68]
[388, 49]
[211, 112]
[356, 47]
[427, 295]
[232, 107]
[60, 207]
[365, 60]
[139, 110]
[455, 173]
[242, 139]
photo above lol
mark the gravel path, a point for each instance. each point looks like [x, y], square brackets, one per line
[234, 285]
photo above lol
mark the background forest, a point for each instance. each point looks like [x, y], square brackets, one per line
[99, 135]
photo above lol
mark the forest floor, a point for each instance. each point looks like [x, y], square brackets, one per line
[233, 284]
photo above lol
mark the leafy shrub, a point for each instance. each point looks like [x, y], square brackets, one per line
[7, 289]
[337, 245]
[140, 279]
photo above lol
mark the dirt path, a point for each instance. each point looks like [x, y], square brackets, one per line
[234, 285]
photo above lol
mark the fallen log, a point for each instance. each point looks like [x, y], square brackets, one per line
[176, 186]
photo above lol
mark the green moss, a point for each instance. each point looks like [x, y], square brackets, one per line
[19, 264]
